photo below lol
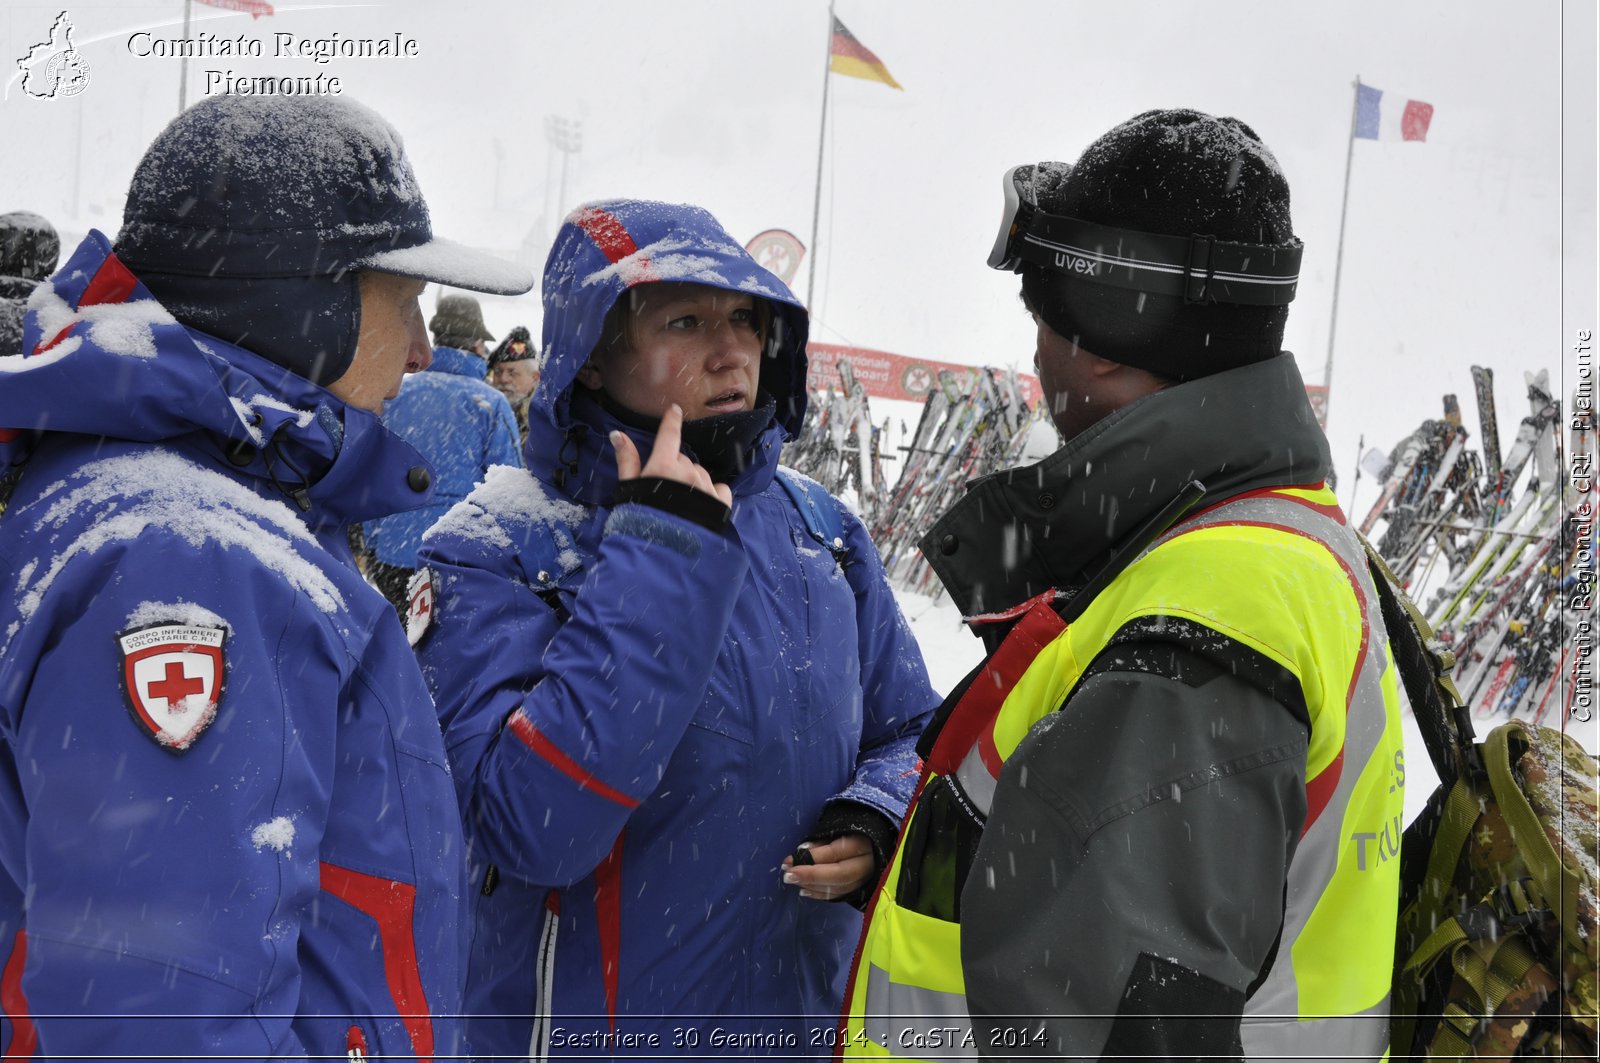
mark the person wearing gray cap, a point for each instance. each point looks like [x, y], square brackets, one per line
[458, 322]
[226, 823]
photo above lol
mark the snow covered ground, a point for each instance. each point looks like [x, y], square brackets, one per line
[951, 652]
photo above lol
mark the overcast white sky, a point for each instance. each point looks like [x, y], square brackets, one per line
[1454, 250]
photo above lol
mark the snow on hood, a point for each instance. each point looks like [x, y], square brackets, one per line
[95, 332]
[108, 360]
[605, 248]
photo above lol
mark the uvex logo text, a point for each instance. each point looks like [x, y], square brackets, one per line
[1076, 263]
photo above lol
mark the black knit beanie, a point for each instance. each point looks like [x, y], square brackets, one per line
[29, 246]
[1173, 172]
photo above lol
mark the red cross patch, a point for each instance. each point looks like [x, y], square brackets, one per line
[419, 605]
[172, 675]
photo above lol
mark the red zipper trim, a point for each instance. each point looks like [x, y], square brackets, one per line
[608, 914]
[391, 905]
[14, 1003]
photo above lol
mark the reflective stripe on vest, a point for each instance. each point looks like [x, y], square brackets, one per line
[1353, 779]
[908, 1021]
[1343, 879]
[1341, 1037]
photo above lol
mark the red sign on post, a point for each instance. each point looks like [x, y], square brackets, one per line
[1318, 395]
[890, 376]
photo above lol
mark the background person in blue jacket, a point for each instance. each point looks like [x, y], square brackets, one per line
[656, 683]
[227, 828]
[462, 426]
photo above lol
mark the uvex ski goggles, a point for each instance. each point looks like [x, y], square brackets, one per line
[1200, 269]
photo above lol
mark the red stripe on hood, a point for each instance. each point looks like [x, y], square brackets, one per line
[608, 234]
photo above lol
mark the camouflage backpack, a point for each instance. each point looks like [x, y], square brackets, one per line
[1496, 948]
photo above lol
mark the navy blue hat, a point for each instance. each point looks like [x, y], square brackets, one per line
[293, 195]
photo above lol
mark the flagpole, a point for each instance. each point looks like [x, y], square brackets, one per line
[1338, 258]
[822, 138]
[183, 66]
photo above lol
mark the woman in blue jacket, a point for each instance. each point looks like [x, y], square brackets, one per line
[656, 684]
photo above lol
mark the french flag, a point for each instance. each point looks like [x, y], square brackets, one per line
[1395, 120]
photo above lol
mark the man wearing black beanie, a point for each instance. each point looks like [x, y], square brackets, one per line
[227, 828]
[1161, 819]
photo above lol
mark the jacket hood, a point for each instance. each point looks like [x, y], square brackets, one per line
[605, 248]
[106, 359]
[1023, 531]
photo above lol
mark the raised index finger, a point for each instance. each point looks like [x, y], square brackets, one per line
[664, 450]
[669, 437]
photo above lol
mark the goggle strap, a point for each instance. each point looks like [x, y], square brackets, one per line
[1198, 269]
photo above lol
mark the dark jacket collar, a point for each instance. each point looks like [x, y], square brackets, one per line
[1055, 523]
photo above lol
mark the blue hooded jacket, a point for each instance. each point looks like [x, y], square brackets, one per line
[223, 791]
[645, 717]
[463, 426]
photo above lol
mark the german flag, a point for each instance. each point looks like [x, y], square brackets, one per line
[851, 58]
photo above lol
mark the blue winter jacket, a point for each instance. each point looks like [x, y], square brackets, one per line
[223, 789]
[462, 426]
[646, 717]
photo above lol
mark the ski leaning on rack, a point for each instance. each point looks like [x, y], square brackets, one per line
[1485, 540]
[838, 445]
[972, 425]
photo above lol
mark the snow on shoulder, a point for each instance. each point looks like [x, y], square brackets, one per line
[148, 614]
[120, 499]
[510, 499]
[116, 328]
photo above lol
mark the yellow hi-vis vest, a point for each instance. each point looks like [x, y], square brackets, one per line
[1277, 571]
